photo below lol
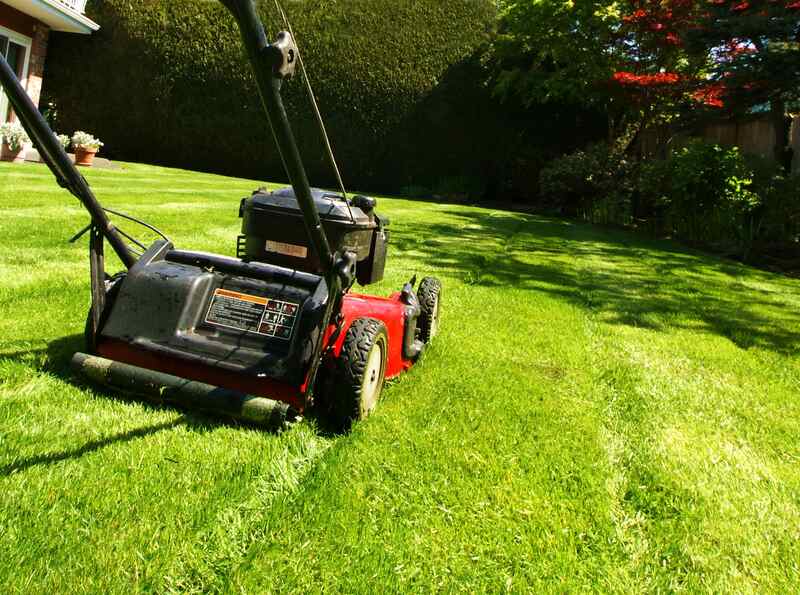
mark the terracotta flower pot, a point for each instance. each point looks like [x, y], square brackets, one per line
[84, 156]
[7, 154]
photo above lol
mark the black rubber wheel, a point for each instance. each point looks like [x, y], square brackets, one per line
[429, 295]
[360, 372]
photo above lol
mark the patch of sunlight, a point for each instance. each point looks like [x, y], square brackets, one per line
[226, 234]
[68, 209]
[17, 278]
[709, 460]
[746, 504]
[629, 528]
[184, 206]
[205, 561]
[674, 369]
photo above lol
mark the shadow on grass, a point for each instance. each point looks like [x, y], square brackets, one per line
[627, 280]
[91, 446]
[55, 359]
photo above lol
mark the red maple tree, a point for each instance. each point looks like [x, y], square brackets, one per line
[718, 53]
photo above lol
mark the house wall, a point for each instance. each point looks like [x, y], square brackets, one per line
[39, 33]
[36, 65]
[11, 18]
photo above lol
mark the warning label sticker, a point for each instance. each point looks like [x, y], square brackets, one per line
[252, 313]
[287, 249]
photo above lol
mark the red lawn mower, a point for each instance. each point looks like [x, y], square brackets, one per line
[271, 332]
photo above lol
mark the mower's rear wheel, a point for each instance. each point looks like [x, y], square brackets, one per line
[429, 295]
[360, 372]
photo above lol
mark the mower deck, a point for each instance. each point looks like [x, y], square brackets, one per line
[253, 382]
[248, 327]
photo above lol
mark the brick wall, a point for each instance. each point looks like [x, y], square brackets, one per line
[37, 58]
[23, 24]
[11, 18]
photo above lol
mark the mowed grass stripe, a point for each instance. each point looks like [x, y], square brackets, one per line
[113, 490]
[676, 431]
[144, 191]
[205, 562]
[669, 539]
[500, 483]
[601, 412]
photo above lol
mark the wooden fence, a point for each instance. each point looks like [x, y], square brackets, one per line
[755, 135]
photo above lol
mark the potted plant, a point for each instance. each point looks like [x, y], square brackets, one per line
[15, 142]
[86, 147]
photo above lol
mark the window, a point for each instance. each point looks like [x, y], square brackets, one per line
[16, 50]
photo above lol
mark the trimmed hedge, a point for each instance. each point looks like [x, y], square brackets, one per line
[398, 81]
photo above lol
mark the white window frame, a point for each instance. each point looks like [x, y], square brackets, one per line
[27, 43]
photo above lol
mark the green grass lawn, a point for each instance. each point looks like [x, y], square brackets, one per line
[600, 412]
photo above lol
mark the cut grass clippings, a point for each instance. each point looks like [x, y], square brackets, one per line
[600, 412]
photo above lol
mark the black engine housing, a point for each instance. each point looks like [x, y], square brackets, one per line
[274, 232]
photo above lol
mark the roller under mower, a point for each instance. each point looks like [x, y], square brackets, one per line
[275, 330]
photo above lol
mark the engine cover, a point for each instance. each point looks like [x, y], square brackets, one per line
[273, 231]
[257, 320]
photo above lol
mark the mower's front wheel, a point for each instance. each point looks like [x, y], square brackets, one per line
[360, 372]
[429, 295]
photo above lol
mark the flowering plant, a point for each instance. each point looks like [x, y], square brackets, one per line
[86, 141]
[64, 140]
[14, 135]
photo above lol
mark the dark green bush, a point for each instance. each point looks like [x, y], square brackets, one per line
[712, 198]
[652, 196]
[702, 193]
[777, 220]
[594, 184]
[166, 82]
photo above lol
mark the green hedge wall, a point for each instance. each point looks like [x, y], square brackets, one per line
[399, 82]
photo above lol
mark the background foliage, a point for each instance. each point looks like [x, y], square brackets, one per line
[470, 99]
[701, 193]
[396, 81]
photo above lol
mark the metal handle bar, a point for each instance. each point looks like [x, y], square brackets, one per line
[59, 163]
[271, 65]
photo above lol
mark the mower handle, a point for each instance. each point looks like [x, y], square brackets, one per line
[272, 63]
[59, 163]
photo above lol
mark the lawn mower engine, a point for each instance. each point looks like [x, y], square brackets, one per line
[275, 328]
[272, 222]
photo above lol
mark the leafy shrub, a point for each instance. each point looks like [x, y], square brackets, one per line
[712, 198]
[594, 184]
[701, 193]
[414, 191]
[653, 196]
[778, 218]
[460, 187]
